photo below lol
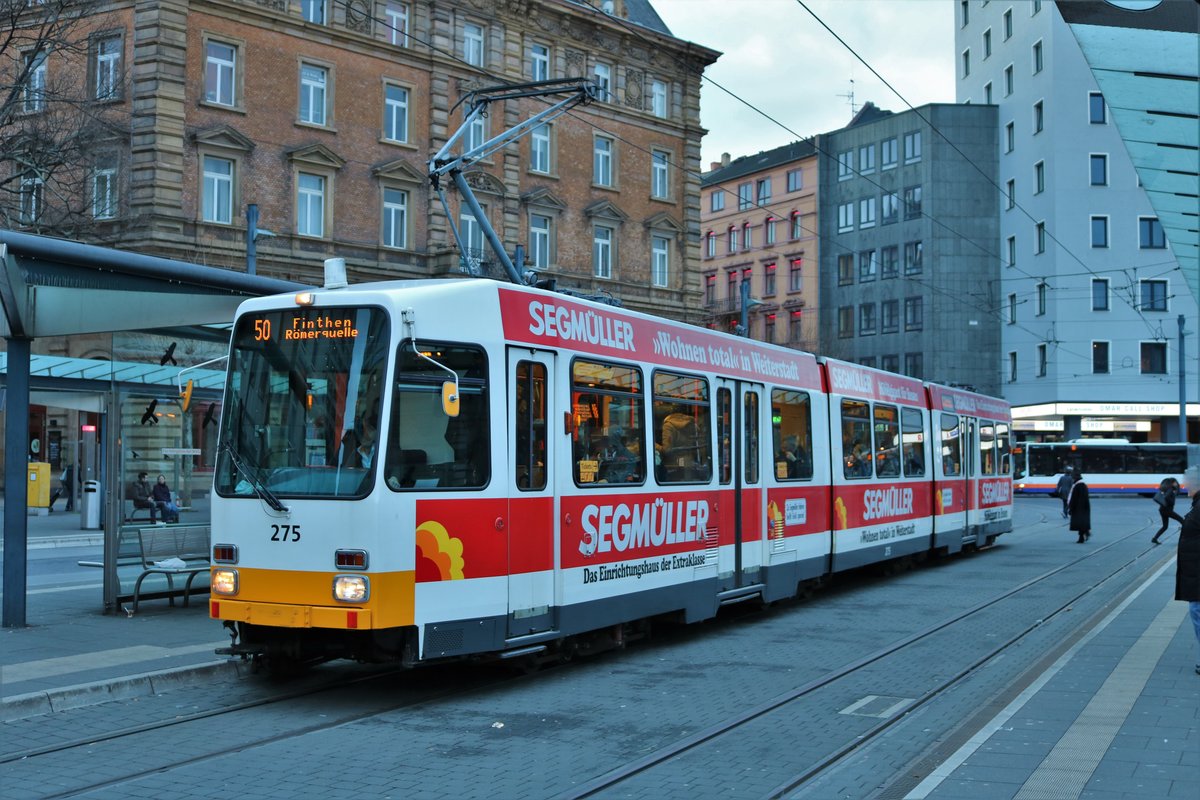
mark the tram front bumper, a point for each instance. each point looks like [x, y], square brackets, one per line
[276, 615]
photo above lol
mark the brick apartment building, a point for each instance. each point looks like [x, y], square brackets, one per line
[759, 226]
[323, 114]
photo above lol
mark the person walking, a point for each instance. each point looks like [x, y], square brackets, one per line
[67, 487]
[1079, 507]
[1168, 490]
[1187, 569]
[1063, 490]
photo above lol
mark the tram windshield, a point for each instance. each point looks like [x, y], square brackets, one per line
[302, 415]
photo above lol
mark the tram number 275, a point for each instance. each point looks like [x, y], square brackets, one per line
[285, 533]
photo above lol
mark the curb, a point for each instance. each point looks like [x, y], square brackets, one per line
[52, 701]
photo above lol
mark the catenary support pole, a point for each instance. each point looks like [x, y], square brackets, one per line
[1183, 437]
[16, 462]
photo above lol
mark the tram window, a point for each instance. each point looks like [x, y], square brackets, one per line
[608, 429]
[750, 436]
[791, 430]
[987, 449]
[887, 441]
[529, 412]
[856, 439]
[912, 433]
[724, 435]
[682, 445]
[427, 448]
[1002, 448]
[951, 449]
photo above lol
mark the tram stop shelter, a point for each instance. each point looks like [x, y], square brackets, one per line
[57, 288]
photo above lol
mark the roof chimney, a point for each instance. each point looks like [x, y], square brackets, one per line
[724, 159]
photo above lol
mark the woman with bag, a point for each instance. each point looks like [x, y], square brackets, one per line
[1168, 490]
[1080, 508]
[1187, 568]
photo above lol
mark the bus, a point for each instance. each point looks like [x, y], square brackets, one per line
[1110, 466]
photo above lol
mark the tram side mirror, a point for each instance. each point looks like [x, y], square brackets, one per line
[450, 402]
[185, 397]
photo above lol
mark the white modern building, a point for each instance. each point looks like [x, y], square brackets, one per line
[1091, 289]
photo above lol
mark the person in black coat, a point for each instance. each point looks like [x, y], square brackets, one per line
[1167, 492]
[1080, 508]
[1063, 488]
[1187, 568]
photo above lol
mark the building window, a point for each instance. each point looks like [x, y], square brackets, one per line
[845, 217]
[866, 213]
[889, 316]
[866, 319]
[313, 93]
[846, 322]
[987, 93]
[472, 236]
[658, 98]
[396, 23]
[476, 134]
[797, 229]
[1099, 294]
[1037, 57]
[602, 251]
[1154, 358]
[733, 240]
[987, 43]
[539, 62]
[769, 281]
[966, 63]
[912, 147]
[603, 75]
[310, 205]
[1041, 360]
[395, 218]
[1041, 299]
[889, 261]
[888, 153]
[1100, 361]
[731, 284]
[313, 11]
[1008, 29]
[710, 289]
[1012, 367]
[1012, 309]
[747, 236]
[964, 10]
[890, 363]
[1010, 194]
[1099, 231]
[602, 158]
[220, 72]
[1040, 239]
[473, 44]
[867, 265]
[891, 207]
[1039, 120]
[914, 313]
[866, 159]
[1097, 115]
[660, 175]
[914, 365]
[107, 68]
[1098, 169]
[845, 165]
[395, 113]
[762, 191]
[796, 275]
[33, 198]
[1008, 80]
[845, 264]
[539, 149]
[1011, 247]
[104, 190]
[1154, 295]
[912, 202]
[795, 180]
[660, 259]
[710, 241]
[718, 200]
[1150, 234]
[33, 95]
[914, 258]
[745, 196]
[216, 202]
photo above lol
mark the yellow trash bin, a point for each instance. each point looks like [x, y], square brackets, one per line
[39, 485]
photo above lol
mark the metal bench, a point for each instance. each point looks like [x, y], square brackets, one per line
[188, 543]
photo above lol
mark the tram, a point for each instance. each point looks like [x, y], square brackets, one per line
[1110, 466]
[432, 469]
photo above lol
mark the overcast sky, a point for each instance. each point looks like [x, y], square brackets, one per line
[779, 59]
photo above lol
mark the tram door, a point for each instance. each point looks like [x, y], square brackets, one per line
[740, 508]
[533, 506]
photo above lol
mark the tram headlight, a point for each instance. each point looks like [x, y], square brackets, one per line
[224, 581]
[351, 588]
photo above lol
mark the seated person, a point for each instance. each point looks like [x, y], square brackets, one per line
[141, 495]
[622, 460]
[795, 460]
[161, 494]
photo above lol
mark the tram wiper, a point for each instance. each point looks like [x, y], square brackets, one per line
[258, 486]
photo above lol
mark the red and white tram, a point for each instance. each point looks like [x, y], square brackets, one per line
[429, 469]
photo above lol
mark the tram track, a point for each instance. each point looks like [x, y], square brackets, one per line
[731, 727]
